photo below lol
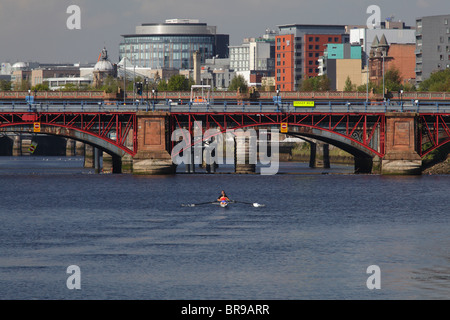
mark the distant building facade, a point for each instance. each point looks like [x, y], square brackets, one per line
[384, 56]
[254, 58]
[171, 45]
[298, 49]
[432, 45]
[394, 31]
[339, 62]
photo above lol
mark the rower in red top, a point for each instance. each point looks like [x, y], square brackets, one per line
[223, 197]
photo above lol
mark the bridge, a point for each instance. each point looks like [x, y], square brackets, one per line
[385, 137]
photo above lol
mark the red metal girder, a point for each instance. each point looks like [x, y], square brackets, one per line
[444, 125]
[216, 122]
[342, 118]
[356, 125]
[108, 127]
[430, 135]
[373, 130]
[317, 124]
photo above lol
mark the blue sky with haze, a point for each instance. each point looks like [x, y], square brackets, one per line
[36, 30]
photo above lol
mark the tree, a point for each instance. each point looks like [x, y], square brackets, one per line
[438, 82]
[349, 86]
[393, 80]
[179, 82]
[162, 85]
[5, 85]
[110, 85]
[41, 87]
[238, 83]
[320, 83]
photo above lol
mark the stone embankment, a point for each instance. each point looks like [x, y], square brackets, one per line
[439, 168]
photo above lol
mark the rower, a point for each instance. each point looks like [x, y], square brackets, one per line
[223, 197]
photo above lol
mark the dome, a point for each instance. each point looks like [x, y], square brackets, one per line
[103, 65]
[19, 66]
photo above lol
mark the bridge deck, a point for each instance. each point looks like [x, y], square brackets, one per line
[323, 107]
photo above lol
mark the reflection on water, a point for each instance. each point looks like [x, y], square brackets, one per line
[132, 239]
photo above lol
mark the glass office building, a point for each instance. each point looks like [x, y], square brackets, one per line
[171, 45]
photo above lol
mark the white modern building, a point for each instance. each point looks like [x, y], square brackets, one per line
[253, 55]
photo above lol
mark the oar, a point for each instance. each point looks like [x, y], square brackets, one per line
[255, 204]
[196, 204]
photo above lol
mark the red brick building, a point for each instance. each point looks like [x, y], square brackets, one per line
[298, 49]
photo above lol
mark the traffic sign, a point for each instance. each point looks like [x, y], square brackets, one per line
[304, 104]
[284, 128]
[37, 127]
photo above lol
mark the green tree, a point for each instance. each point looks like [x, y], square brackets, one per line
[363, 88]
[238, 83]
[110, 85]
[162, 85]
[5, 85]
[179, 82]
[349, 86]
[393, 80]
[320, 83]
[41, 87]
[438, 82]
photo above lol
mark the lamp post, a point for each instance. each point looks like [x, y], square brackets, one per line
[278, 99]
[401, 98]
[384, 90]
[125, 80]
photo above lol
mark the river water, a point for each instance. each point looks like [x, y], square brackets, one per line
[131, 237]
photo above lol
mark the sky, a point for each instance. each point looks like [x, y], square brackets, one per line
[32, 30]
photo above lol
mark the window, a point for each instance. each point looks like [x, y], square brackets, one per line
[310, 54]
[310, 39]
[330, 39]
[317, 39]
[317, 47]
[446, 21]
[336, 39]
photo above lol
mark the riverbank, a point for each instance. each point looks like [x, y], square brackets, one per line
[440, 168]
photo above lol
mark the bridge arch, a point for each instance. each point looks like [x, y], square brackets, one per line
[111, 147]
[105, 144]
[363, 153]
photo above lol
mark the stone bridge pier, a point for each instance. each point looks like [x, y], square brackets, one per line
[153, 135]
[401, 146]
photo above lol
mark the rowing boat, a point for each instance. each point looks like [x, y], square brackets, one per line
[224, 204]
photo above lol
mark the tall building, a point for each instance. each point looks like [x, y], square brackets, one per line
[339, 62]
[171, 45]
[253, 59]
[298, 49]
[432, 45]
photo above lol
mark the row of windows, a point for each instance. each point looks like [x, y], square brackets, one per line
[169, 39]
[155, 47]
[317, 39]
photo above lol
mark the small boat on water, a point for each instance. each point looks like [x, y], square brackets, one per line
[224, 203]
